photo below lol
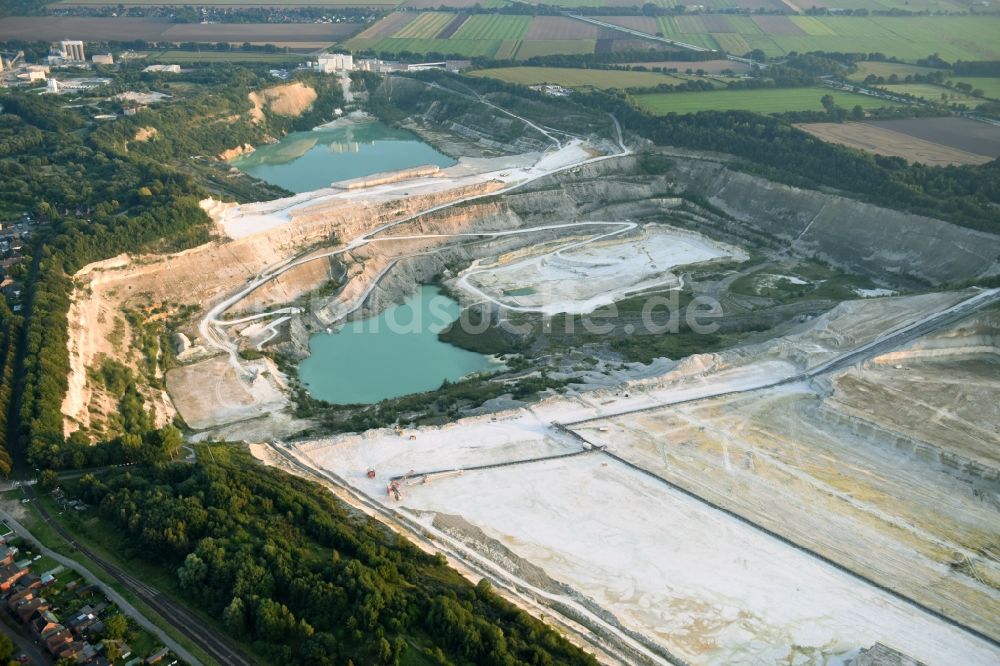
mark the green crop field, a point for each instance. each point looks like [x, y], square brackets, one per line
[577, 78]
[908, 38]
[544, 47]
[990, 85]
[765, 100]
[468, 48]
[425, 26]
[486, 26]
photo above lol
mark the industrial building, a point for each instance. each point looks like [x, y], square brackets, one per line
[335, 62]
[72, 50]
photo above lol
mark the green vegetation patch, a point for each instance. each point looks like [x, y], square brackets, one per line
[761, 100]
[544, 47]
[493, 26]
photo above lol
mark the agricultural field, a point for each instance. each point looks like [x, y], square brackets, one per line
[931, 92]
[990, 85]
[868, 68]
[497, 36]
[176, 56]
[51, 28]
[765, 100]
[577, 78]
[882, 139]
[959, 133]
[234, 3]
[907, 38]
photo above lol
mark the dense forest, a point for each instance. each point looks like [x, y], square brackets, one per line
[304, 579]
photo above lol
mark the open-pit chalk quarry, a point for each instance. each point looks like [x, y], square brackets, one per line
[795, 499]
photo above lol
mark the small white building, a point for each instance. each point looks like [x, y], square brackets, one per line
[335, 62]
[103, 59]
[32, 75]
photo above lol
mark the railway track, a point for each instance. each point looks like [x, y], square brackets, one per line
[172, 612]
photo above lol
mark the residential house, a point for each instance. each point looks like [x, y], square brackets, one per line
[19, 596]
[10, 574]
[44, 622]
[7, 553]
[57, 640]
[73, 650]
[28, 609]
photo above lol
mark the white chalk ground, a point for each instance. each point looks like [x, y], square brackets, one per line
[874, 293]
[477, 441]
[581, 277]
[706, 586]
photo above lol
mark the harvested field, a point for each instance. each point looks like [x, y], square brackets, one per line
[646, 24]
[959, 133]
[559, 28]
[882, 140]
[286, 33]
[177, 56]
[577, 78]
[455, 24]
[716, 23]
[388, 26]
[53, 28]
[778, 25]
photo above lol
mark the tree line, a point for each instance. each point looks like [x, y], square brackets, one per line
[302, 578]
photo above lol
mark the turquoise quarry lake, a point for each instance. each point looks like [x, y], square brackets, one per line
[395, 353]
[304, 161]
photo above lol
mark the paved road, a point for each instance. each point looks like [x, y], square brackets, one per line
[22, 645]
[112, 594]
[172, 612]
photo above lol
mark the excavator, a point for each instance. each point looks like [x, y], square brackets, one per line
[394, 488]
